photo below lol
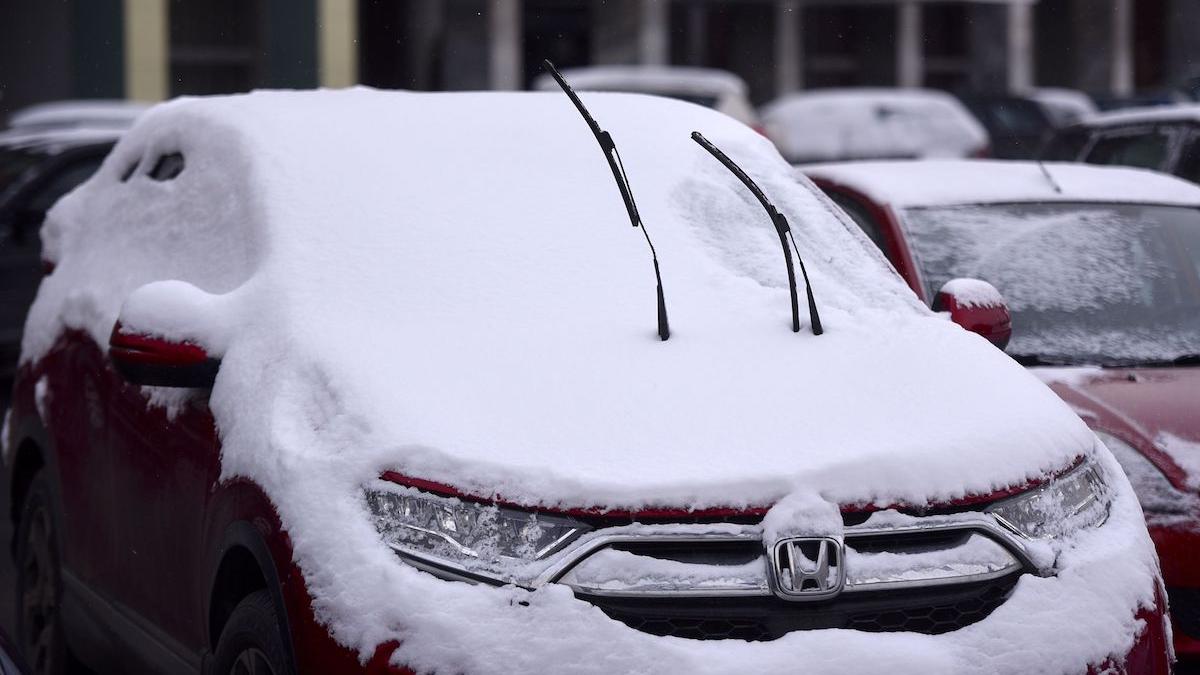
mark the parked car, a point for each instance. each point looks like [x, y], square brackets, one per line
[1019, 125]
[858, 124]
[309, 392]
[1164, 139]
[720, 90]
[1101, 269]
[36, 168]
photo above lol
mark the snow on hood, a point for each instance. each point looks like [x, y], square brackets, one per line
[456, 274]
[959, 182]
[649, 79]
[836, 124]
[447, 285]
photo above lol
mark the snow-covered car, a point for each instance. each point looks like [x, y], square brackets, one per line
[857, 124]
[1100, 267]
[720, 90]
[1161, 138]
[362, 381]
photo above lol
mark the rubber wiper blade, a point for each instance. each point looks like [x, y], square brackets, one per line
[618, 171]
[781, 228]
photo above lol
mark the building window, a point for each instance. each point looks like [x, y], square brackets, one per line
[216, 46]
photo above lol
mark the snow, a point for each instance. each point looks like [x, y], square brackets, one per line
[973, 293]
[649, 80]
[949, 183]
[837, 124]
[1064, 106]
[1147, 115]
[83, 113]
[446, 285]
[1185, 453]
[41, 390]
[1072, 376]
[54, 141]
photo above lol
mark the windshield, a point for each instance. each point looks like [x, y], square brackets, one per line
[1086, 283]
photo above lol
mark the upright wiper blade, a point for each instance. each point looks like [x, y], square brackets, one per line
[781, 227]
[618, 171]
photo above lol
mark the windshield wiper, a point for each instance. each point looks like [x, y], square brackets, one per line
[781, 228]
[618, 171]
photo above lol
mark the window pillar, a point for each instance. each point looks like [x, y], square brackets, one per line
[504, 25]
[910, 62]
[146, 77]
[789, 47]
[1020, 46]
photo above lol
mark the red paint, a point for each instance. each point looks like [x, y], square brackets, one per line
[993, 322]
[150, 350]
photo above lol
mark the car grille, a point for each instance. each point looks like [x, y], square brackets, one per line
[932, 610]
[1185, 610]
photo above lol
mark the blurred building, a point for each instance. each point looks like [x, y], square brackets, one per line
[153, 49]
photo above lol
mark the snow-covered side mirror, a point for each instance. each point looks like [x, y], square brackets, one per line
[977, 306]
[149, 360]
[158, 337]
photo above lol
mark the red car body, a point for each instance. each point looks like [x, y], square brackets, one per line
[1133, 404]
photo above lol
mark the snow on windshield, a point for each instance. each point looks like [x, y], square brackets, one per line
[1090, 282]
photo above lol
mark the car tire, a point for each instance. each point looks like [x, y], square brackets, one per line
[252, 641]
[40, 634]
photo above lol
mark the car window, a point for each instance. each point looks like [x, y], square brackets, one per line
[1188, 167]
[1065, 146]
[1144, 149]
[863, 218]
[62, 182]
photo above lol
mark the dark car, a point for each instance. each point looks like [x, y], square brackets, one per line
[1163, 138]
[35, 170]
[1019, 125]
[1101, 267]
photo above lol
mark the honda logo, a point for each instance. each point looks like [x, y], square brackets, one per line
[808, 568]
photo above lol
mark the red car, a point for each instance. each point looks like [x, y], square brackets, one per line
[1100, 268]
[362, 381]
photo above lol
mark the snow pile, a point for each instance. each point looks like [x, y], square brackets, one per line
[1185, 453]
[973, 293]
[446, 285]
[84, 113]
[836, 124]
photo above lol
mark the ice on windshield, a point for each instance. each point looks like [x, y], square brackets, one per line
[1085, 282]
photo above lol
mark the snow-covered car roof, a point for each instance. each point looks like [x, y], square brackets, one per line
[1065, 106]
[55, 140]
[837, 124]
[650, 80]
[952, 182]
[1189, 112]
[82, 113]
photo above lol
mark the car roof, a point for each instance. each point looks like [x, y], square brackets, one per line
[53, 141]
[1145, 115]
[81, 113]
[650, 79]
[907, 184]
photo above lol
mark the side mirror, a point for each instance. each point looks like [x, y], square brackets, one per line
[977, 306]
[147, 360]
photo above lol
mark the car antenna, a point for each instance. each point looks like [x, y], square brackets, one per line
[618, 170]
[781, 227]
[1049, 176]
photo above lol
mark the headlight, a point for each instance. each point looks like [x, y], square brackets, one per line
[1075, 500]
[1154, 491]
[482, 538]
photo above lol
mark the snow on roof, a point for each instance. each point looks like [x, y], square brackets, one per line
[56, 140]
[1189, 112]
[676, 80]
[951, 182]
[837, 124]
[447, 285]
[1065, 106]
[85, 113]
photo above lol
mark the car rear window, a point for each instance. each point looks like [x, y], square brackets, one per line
[1141, 149]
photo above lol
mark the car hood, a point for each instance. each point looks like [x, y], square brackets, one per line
[1154, 409]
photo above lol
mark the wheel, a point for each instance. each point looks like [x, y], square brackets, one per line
[39, 584]
[252, 642]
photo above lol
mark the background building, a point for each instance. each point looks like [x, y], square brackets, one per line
[154, 49]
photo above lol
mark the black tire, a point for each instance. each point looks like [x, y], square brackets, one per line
[40, 634]
[252, 642]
